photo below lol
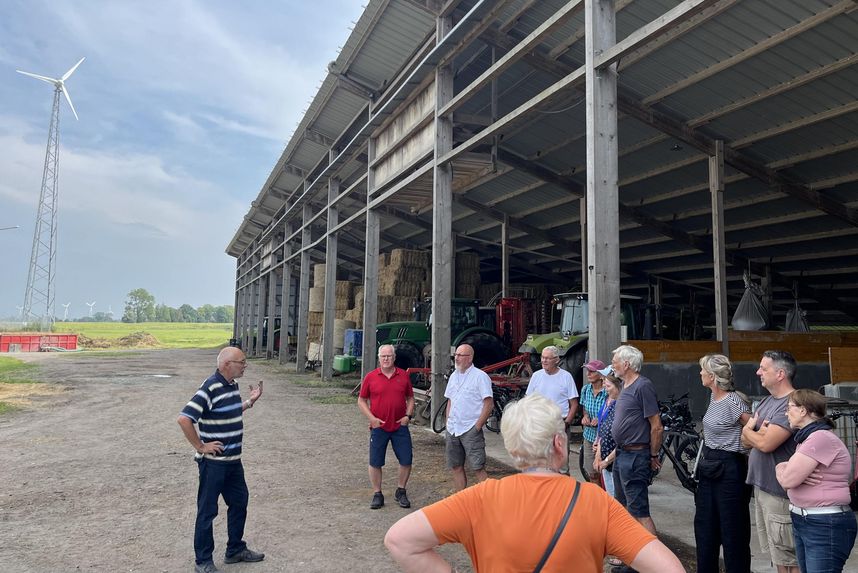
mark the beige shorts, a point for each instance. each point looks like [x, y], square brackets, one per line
[774, 528]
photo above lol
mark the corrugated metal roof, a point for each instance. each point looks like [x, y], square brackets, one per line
[775, 79]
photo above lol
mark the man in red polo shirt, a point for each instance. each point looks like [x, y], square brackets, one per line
[387, 400]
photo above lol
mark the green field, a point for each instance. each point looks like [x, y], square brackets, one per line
[14, 371]
[168, 334]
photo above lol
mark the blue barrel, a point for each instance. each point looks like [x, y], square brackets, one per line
[353, 342]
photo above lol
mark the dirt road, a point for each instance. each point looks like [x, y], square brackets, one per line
[98, 477]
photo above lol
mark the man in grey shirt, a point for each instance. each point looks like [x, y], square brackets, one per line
[769, 436]
[638, 432]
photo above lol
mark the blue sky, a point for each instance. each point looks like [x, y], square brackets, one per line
[184, 108]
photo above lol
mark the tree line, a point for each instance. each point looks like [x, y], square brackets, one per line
[140, 306]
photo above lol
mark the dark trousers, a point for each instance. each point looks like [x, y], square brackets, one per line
[723, 516]
[220, 479]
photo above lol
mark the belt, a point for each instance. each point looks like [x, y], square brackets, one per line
[803, 511]
[634, 447]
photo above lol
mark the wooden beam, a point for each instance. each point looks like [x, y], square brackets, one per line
[716, 189]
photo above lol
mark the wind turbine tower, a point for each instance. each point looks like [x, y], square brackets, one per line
[66, 310]
[39, 296]
[90, 305]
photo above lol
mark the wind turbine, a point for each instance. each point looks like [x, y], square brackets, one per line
[66, 310]
[39, 296]
[110, 311]
[21, 311]
[90, 305]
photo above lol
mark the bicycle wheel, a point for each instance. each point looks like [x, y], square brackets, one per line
[439, 420]
[686, 455]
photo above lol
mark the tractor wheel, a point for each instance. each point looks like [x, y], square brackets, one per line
[407, 356]
[535, 362]
[487, 348]
[573, 363]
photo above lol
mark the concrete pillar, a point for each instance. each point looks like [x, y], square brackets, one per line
[286, 316]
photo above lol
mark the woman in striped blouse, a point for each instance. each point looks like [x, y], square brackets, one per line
[722, 500]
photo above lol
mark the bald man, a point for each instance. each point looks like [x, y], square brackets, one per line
[218, 409]
[469, 403]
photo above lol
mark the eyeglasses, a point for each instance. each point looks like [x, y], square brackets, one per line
[550, 358]
[386, 356]
[791, 405]
[458, 355]
[242, 362]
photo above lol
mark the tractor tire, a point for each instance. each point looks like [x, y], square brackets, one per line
[488, 349]
[573, 363]
[535, 362]
[407, 356]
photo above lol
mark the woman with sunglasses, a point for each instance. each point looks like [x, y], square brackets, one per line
[817, 480]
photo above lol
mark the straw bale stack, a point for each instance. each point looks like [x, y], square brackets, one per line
[400, 258]
[314, 326]
[467, 275]
[317, 299]
[319, 275]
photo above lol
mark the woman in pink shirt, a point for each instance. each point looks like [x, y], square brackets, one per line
[817, 480]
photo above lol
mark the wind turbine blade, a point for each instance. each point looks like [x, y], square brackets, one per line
[68, 99]
[71, 71]
[38, 77]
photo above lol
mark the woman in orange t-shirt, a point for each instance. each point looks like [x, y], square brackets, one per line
[507, 524]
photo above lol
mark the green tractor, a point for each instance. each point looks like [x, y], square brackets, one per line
[413, 339]
[571, 340]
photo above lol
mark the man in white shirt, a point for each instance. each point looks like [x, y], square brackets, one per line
[469, 403]
[555, 384]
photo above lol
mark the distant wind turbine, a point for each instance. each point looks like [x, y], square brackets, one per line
[90, 305]
[110, 311]
[21, 311]
[39, 296]
[66, 310]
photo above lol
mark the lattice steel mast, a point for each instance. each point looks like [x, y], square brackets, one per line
[39, 296]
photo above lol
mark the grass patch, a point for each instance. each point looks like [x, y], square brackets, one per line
[14, 371]
[168, 334]
[5, 408]
[335, 399]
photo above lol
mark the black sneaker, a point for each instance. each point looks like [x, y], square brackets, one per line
[402, 498]
[245, 555]
[377, 500]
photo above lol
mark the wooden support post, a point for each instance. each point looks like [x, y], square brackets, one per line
[505, 256]
[259, 309]
[328, 342]
[442, 224]
[304, 291]
[582, 220]
[370, 270]
[236, 316]
[603, 250]
[716, 189]
[287, 322]
[271, 312]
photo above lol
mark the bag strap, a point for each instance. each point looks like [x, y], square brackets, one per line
[560, 528]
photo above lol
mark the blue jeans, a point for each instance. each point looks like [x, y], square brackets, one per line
[220, 479]
[632, 473]
[823, 542]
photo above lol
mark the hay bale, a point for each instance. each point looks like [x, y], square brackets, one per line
[319, 275]
[340, 327]
[317, 299]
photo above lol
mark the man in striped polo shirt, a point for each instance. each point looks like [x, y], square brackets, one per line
[217, 408]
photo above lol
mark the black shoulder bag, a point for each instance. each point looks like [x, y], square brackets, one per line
[560, 528]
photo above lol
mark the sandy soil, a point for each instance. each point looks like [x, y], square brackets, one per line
[98, 477]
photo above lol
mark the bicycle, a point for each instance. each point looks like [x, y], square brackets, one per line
[503, 394]
[681, 443]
